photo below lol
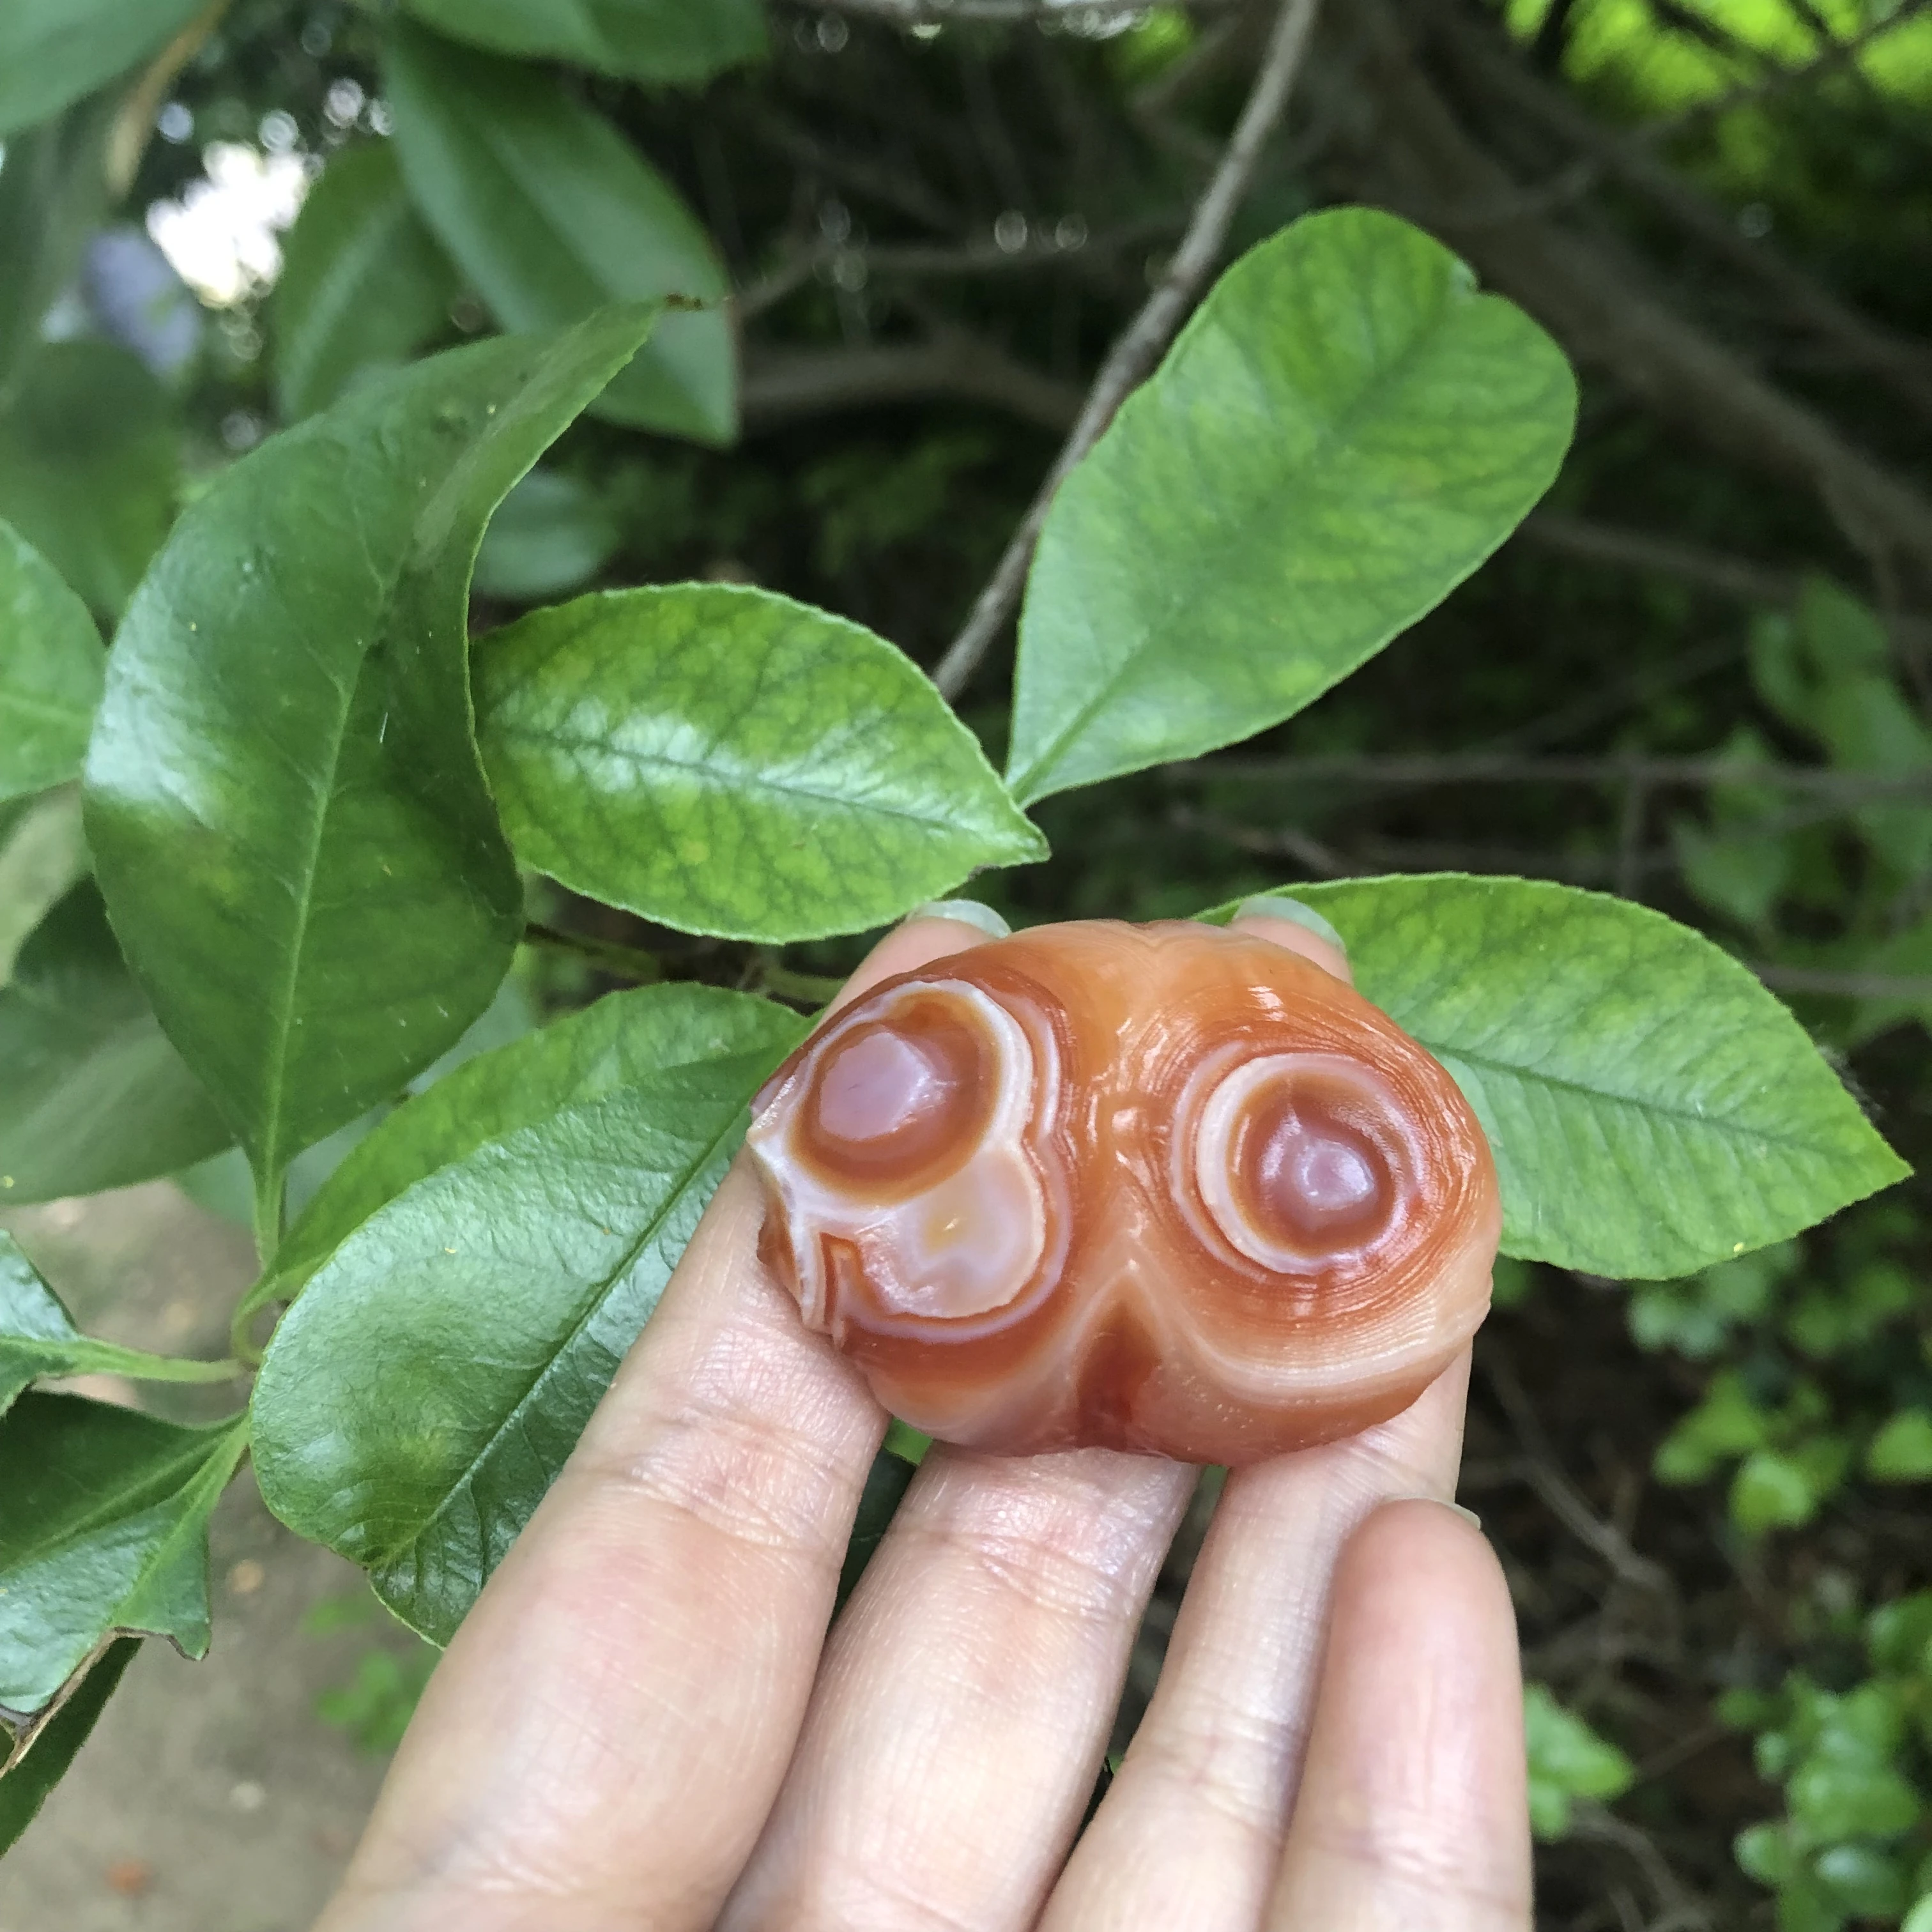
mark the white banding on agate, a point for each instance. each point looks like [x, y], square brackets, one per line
[1331, 1176]
[966, 1245]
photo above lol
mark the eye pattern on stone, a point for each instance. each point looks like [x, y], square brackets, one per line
[1164, 1188]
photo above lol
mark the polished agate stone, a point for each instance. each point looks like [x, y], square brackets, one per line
[1162, 1188]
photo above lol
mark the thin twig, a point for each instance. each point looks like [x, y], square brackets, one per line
[1752, 93]
[944, 12]
[1846, 986]
[625, 962]
[1147, 336]
[1486, 768]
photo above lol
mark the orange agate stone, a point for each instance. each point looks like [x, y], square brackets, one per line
[1164, 1188]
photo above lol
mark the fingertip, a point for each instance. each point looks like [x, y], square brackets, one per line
[1295, 927]
[934, 931]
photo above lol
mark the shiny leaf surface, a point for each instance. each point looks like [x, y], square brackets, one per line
[52, 52]
[1343, 431]
[95, 1096]
[550, 212]
[582, 1056]
[667, 40]
[50, 672]
[1652, 1109]
[382, 1428]
[106, 1530]
[363, 283]
[283, 797]
[725, 761]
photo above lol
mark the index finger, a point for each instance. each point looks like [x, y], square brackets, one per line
[613, 1719]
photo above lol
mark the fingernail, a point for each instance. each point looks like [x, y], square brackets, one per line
[966, 912]
[1467, 1515]
[1276, 905]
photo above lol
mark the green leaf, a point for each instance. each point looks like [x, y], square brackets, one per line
[53, 194]
[1652, 1109]
[52, 52]
[1867, 1882]
[671, 41]
[363, 284]
[1901, 1451]
[612, 1044]
[26, 1779]
[96, 1096]
[420, 1396]
[106, 1530]
[887, 1483]
[283, 797]
[1772, 1491]
[1833, 1798]
[1344, 430]
[725, 761]
[1567, 1760]
[552, 533]
[37, 1337]
[43, 853]
[550, 212]
[50, 672]
[90, 464]
[1726, 1424]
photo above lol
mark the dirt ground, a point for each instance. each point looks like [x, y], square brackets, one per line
[211, 1797]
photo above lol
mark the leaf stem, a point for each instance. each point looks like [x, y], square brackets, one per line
[1148, 335]
[628, 962]
[271, 1197]
[109, 1358]
[812, 989]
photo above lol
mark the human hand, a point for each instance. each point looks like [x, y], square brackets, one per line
[643, 1722]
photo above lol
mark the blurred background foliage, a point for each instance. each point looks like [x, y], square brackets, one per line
[1700, 676]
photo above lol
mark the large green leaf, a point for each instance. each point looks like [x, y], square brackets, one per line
[420, 1396]
[725, 761]
[105, 1530]
[90, 465]
[363, 284]
[1342, 433]
[283, 798]
[53, 193]
[1652, 1109]
[43, 852]
[550, 211]
[95, 1096]
[611, 1044]
[553, 533]
[52, 51]
[50, 672]
[675, 41]
[37, 1338]
[57, 1741]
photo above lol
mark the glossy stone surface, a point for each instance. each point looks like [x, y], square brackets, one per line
[1165, 1188]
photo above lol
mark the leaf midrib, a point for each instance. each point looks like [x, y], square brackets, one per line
[648, 760]
[1714, 1123]
[178, 1471]
[593, 1304]
[1331, 436]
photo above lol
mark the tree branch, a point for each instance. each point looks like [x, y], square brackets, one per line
[1504, 768]
[788, 385]
[1420, 157]
[1786, 80]
[1137, 351]
[1903, 365]
[944, 12]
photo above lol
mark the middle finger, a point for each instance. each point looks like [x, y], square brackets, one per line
[966, 1696]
